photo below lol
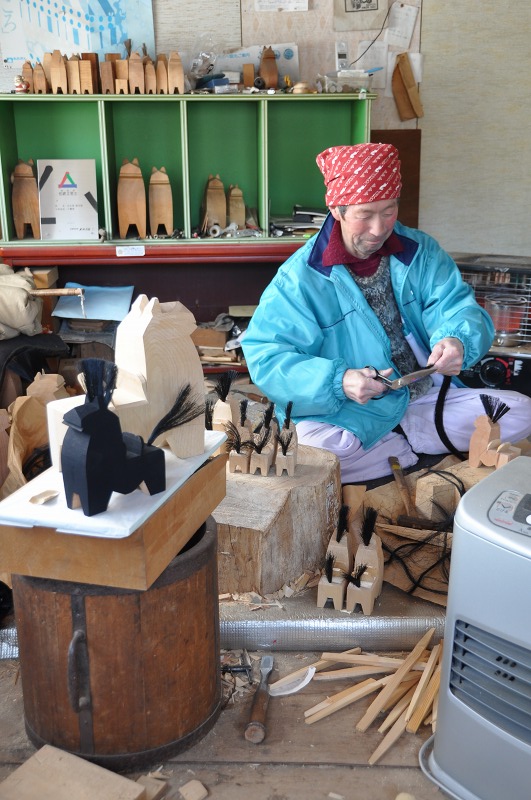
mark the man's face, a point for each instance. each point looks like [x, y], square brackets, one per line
[365, 227]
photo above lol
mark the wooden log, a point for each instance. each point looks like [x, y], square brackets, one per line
[262, 543]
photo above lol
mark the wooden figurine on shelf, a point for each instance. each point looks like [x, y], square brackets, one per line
[40, 83]
[58, 77]
[332, 585]
[136, 74]
[214, 209]
[97, 458]
[107, 76]
[150, 78]
[161, 71]
[72, 74]
[131, 199]
[235, 206]
[25, 200]
[175, 74]
[27, 74]
[268, 69]
[160, 202]
[121, 67]
[89, 79]
[21, 85]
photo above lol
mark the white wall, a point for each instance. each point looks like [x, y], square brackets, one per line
[476, 157]
[476, 133]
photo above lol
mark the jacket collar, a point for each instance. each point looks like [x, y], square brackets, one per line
[315, 261]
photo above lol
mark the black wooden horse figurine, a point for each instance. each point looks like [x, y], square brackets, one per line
[97, 459]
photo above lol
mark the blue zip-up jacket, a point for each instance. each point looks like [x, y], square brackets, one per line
[313, 323]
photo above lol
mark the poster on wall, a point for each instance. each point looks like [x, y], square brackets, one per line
[359, 15]
[28, 30]
[68, 203]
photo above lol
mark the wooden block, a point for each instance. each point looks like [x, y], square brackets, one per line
[270, 530]
[121, 86]
[154, 787]
[209, 337]
[54, 774]
[45, 277]
[193, 790]
[134, 562]
[121, 67]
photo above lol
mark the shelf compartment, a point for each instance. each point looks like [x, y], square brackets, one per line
[31, 131]
[147, 128]
[312, 123]
[223, 139]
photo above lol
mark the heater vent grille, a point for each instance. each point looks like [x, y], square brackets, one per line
[493, 677]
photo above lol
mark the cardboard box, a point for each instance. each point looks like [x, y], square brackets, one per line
[133, 562]
[209, 337]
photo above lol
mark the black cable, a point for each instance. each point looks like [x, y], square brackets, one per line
[375, 38]
[439, 427]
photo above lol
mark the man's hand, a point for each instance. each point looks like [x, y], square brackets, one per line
[447, 356]
[360, 387]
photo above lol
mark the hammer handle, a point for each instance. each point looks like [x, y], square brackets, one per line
[255, 731]
[56, 292]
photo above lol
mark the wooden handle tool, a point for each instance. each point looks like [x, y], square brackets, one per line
[256, 730]
[57, 292]
[403, 488]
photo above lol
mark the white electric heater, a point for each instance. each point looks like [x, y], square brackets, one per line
[481, 749]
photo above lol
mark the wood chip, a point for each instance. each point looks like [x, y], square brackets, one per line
[193, 790]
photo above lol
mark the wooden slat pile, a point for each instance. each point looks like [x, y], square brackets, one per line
[407, 689]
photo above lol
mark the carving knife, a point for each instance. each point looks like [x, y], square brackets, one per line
[255, 731]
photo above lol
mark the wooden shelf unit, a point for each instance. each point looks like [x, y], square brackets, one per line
[266, 144]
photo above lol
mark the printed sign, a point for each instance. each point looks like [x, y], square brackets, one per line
[68, 198]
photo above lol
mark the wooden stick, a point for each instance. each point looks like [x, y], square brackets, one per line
[401, 690]
[425, 702]
[352, 672]
[394, 680]
[343, 699]
[392, 735]
[426, 675]
[364, 659]
[57, 292]
[323, 663]
[399, 709]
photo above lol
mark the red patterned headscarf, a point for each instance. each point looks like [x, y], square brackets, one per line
[361, 173]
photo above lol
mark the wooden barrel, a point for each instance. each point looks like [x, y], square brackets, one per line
[123, 678]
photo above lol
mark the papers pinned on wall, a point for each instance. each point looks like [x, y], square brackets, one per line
[68, 202]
